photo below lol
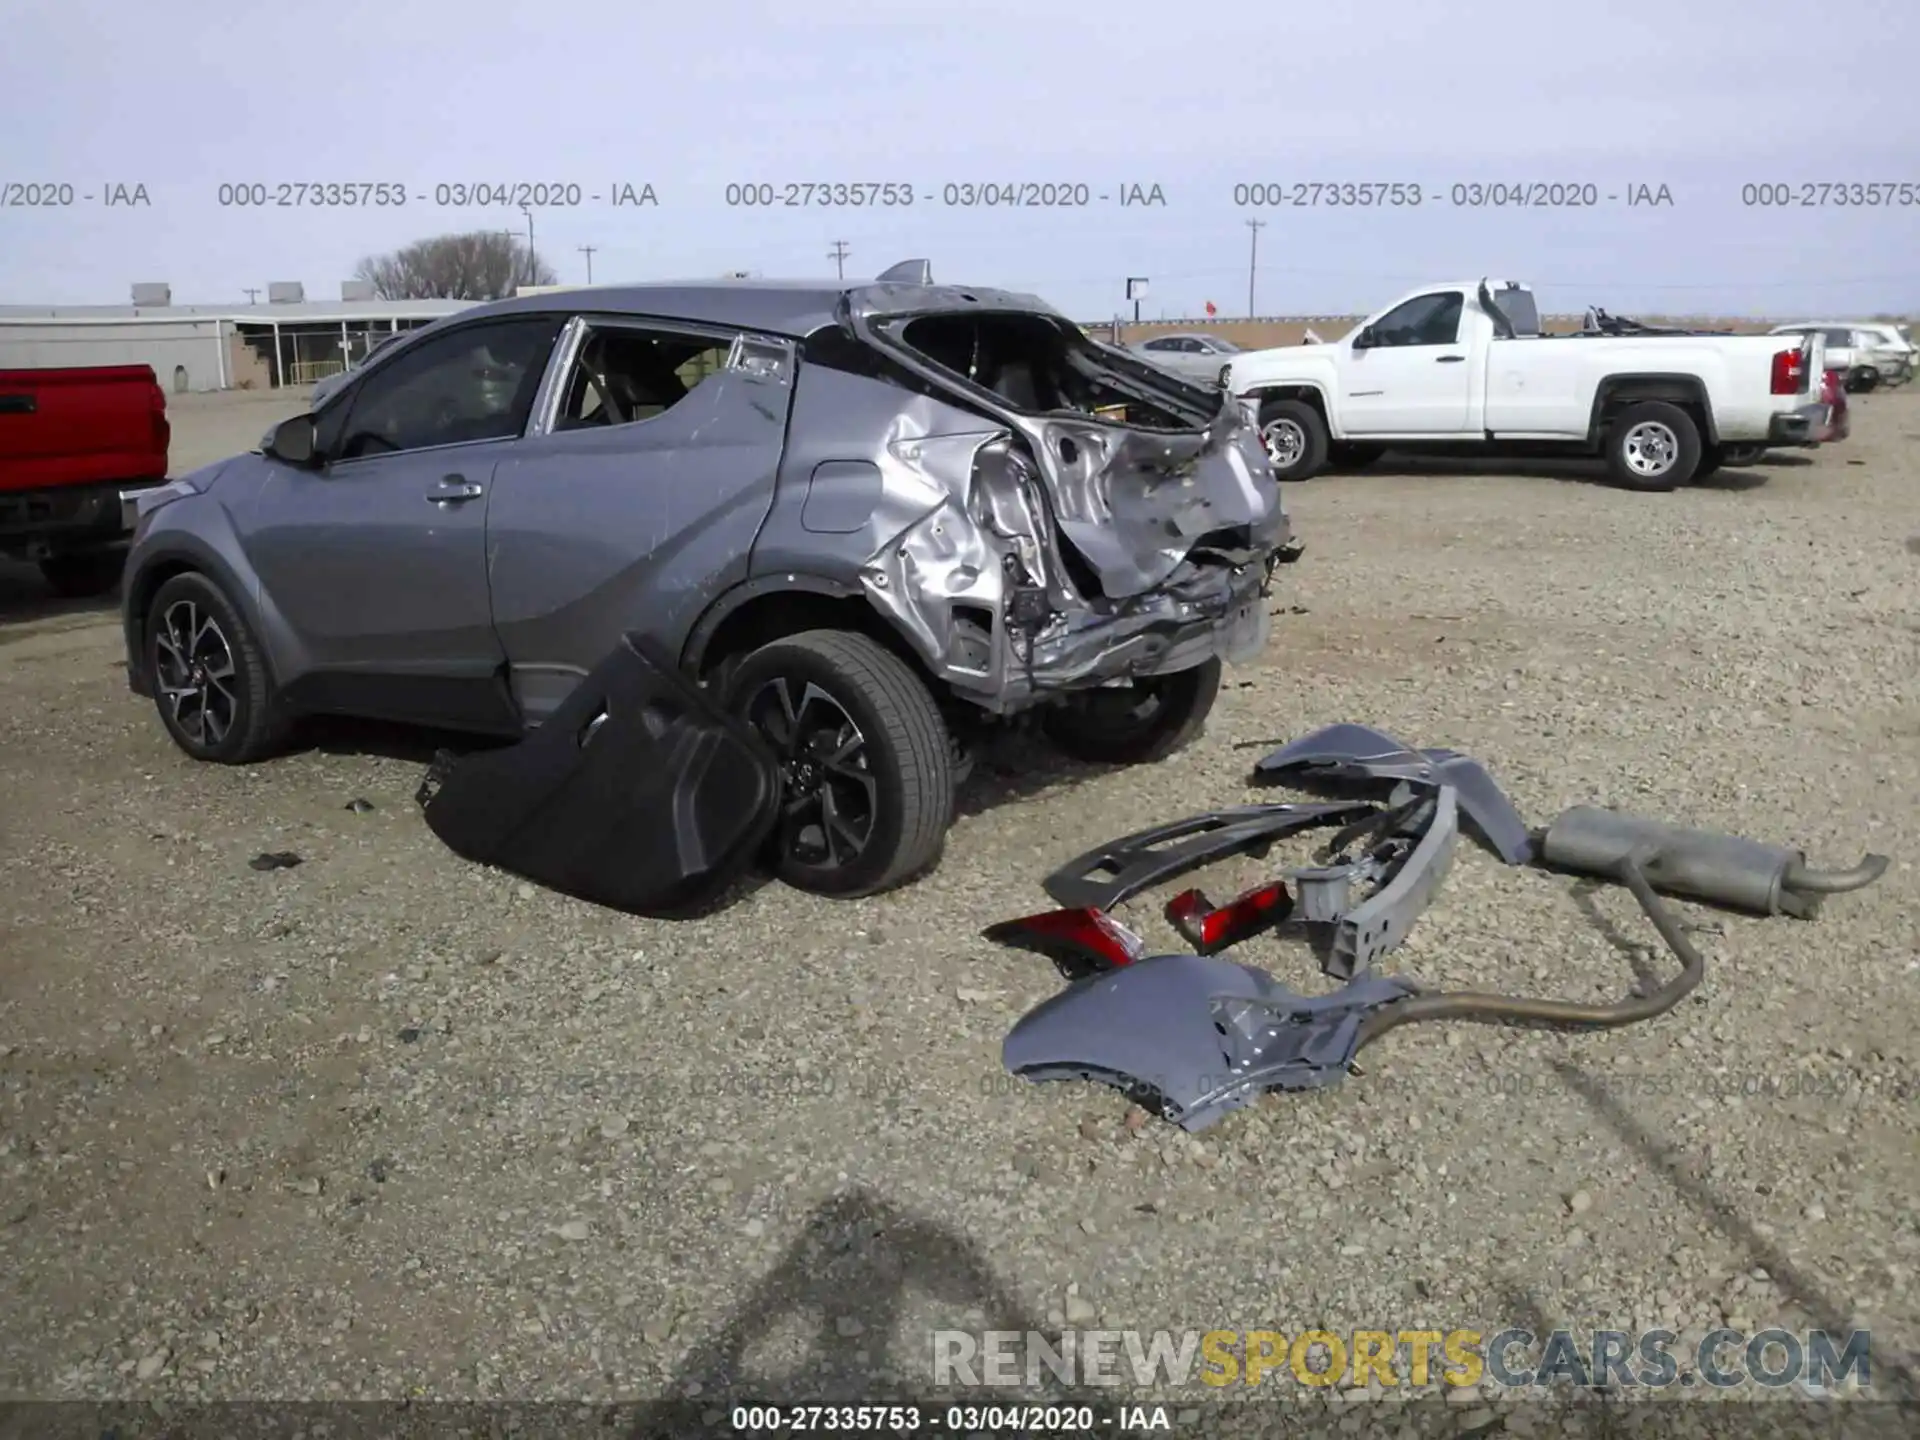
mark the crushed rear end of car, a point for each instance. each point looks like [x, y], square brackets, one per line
[1112, 522]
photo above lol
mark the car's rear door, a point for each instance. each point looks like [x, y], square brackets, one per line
[637, 498]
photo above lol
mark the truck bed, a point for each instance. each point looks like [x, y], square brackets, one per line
[95, 425]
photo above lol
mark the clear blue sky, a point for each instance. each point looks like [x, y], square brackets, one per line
[1702, 97]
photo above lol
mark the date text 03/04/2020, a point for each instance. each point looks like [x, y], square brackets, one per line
[446, 195]
[1462, 194]
[951, 1419]
[953, 194]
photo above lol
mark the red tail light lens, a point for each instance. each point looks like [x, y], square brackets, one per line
[1789, 372]
[1078, 940]
[1208, 929]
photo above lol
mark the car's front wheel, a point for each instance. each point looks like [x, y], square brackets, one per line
[210, 678]
[1134, 724]
[866, 764]
[1295, 437]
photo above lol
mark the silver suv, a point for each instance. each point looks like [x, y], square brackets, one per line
[870, 516]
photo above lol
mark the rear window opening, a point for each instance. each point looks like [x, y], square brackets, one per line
[1040, 366]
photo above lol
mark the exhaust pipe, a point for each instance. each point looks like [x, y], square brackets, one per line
[1699, 864]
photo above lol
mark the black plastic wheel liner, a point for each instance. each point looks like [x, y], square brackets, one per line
[638, 793]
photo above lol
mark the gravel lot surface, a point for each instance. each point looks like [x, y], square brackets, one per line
[387, 1124]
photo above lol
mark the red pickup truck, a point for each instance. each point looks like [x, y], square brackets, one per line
[70, 442]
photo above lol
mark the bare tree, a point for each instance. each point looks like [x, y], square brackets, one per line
[479, 265]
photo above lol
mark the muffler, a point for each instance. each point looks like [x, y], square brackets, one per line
[1699, 864]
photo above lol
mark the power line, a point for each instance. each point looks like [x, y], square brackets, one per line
[839, 257]
[587, 250]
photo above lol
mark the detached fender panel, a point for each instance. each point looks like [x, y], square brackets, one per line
[637, 793]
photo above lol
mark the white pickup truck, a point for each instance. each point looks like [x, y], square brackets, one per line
[1464, 367]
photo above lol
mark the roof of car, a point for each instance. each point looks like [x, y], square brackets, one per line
[778, 307]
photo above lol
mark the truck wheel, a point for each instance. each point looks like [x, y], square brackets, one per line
[210, 679]
[85, 575]
[1295, 437]
[1653, 446]
[866, 764]
[1146, 721]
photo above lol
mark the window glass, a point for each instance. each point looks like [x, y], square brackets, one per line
[1423, 320]
[626, 373]
[475, 383]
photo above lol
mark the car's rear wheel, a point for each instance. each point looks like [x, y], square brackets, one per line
[1863, 379]
[1295, 437]
[210, 679]
[866, 764]
[1653, 446]
[83, 575]
[1135, 724]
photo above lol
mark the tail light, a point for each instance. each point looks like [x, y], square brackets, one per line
[1208, 929]
[1789, 372]
[1079, 942]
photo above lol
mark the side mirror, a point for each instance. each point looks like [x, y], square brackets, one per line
[291, 441]
[1366, 339]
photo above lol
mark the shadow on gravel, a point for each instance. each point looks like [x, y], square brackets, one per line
[1893, 1375]
[25, 598]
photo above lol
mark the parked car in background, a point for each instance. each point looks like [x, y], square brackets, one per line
[1868, 354]
[869, 516]
[71, 440]
[1201, 358]
[1463, 368]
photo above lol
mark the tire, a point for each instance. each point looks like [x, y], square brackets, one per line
[1096, 726]
[1863, 380]
[893, 795]
[84, 575]
[1711, 459]
[1353, 457]
[232, 723]
[1294, 430]
[1653, 446]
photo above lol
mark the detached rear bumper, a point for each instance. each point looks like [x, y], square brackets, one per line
[1798, 427]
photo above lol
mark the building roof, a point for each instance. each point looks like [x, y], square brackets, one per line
[310, 312]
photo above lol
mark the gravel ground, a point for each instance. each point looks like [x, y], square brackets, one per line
[388, 1125]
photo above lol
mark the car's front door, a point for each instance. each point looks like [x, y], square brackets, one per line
[638, 499]
[1415, 378]
[376, 561]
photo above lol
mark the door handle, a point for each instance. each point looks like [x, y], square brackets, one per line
[1449, 359]
[453, 489]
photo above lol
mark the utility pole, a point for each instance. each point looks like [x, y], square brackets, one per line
[587, 250]
[839, 257]
[250, 294]
[1253, 261]
[527, 210]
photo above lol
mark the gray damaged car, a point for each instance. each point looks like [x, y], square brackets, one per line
[871, 517]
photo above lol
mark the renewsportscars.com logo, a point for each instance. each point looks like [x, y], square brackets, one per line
[1817, 1360]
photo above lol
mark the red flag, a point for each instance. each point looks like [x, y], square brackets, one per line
[1210, 310]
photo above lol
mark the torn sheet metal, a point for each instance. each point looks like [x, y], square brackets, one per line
[1359, 753]
[1199, 1036]
[637, 793]
[1110, 874]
